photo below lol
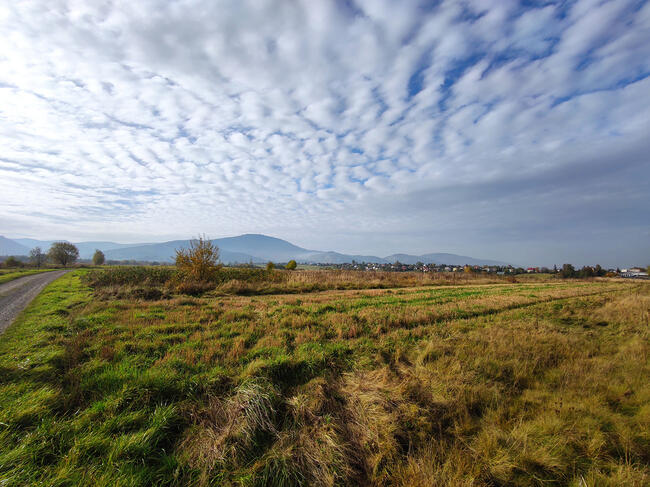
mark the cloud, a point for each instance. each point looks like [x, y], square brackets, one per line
[411, 126]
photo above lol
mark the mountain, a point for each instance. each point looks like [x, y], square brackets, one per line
[263, 247]
[30, 243]
[246, 248]
[241, 249]
[166, 251]
[438, 258]
[441, 258]
[160, 252]
[11, 247]
[86, 249]
[337, 258]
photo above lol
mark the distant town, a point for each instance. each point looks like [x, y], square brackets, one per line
[567, 270]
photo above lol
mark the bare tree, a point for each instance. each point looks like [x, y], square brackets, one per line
[37, 257]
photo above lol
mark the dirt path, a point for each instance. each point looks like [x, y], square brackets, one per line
[17, 294]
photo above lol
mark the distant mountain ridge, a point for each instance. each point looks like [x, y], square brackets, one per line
[245, 248]
[86, 249]
[11, 247]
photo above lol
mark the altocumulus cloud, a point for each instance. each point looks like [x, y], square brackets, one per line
[518, 131]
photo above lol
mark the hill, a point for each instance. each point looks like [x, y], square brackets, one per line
[10, 247]
[254, 248]
[337, 258]
[241, 249]
[441, 258]
[86, 249]
[165, 252]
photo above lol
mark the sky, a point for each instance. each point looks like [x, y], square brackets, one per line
[517, 131]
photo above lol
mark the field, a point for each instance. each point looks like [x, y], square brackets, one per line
[405, 381]
[7, 275]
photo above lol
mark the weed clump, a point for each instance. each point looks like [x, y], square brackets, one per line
[227, 432]
[128, 276]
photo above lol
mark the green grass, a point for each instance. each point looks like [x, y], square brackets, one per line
[7, 275]
[534, 383]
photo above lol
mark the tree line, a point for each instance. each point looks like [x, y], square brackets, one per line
[60, 253]
[568, 271]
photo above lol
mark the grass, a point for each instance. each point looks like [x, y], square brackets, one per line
[157, 282]
[7, 275]
[478, 384]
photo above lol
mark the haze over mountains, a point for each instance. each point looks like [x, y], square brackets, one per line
[241, 249]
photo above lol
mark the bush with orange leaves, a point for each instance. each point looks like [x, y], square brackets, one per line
[197, 265]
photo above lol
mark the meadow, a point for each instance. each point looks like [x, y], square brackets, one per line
[328, 379]
[7, 275]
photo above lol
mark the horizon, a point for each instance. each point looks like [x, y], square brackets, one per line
[367, 254]
[498, 130]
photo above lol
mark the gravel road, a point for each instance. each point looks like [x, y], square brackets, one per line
[17, 294]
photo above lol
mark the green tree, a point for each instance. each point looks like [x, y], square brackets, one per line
[98, 257]
[37, 257]
[63, 253]
[291, 265]
[586, 271]
[11, 261]
[199, 261]
[567, 271]
[270, 266]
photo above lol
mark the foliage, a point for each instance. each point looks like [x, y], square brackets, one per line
[198, 263]
[587, 271]
[159, 281]
[37, 257]
[418, 386]
[291, 265]
[128, 276]
[567, 271]
[270, 266]
[98, 257]
[11, 261]
[63, 253]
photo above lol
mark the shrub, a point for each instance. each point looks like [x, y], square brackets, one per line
[13, 262]
[291, 265]
[193, 288]
[199, 261]
[98, 257]
[128, 276]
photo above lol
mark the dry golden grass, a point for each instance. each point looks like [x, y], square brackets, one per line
[524, 384]
[304, 281]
